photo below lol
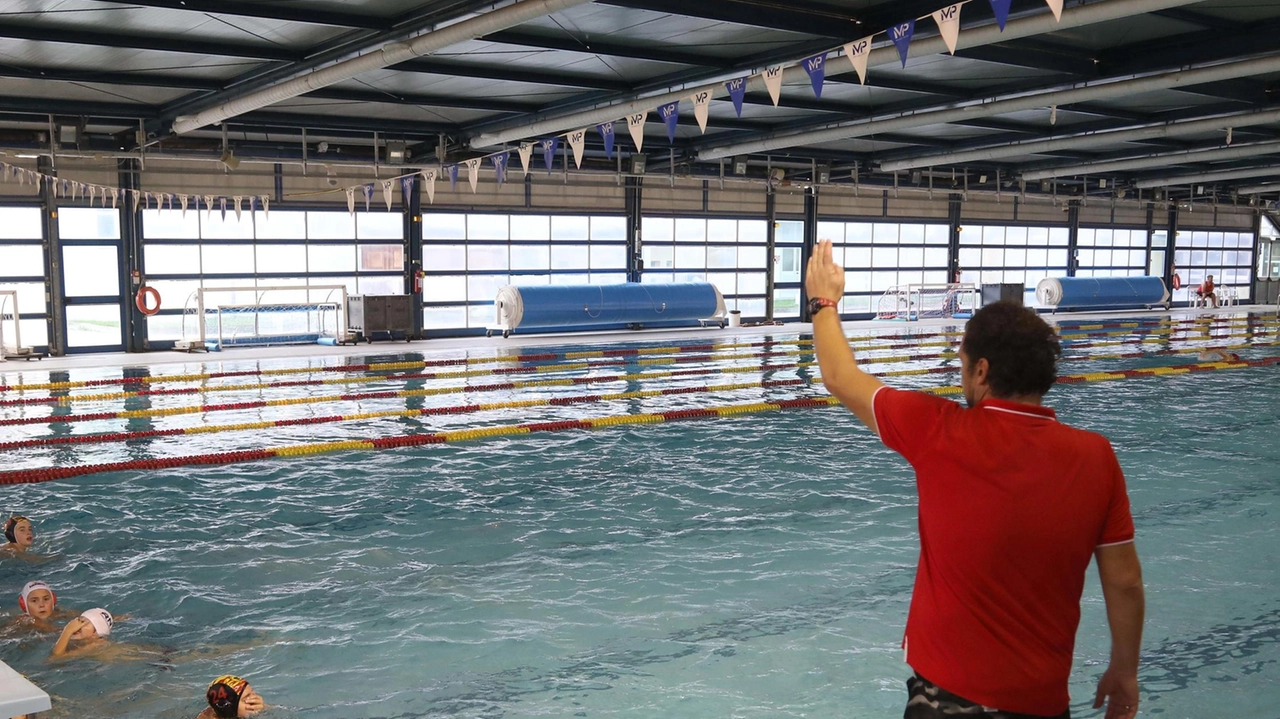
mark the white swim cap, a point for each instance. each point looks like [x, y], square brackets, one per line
[100, 619]
[31, 587]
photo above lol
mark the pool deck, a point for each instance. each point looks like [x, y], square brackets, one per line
[517, 342]
[19, 696]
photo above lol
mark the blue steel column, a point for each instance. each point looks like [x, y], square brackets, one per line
[770, 251]
[633, 200]
[131, 259]
[1073, 238]
[53, 287]
[955, 205]
[412, 210]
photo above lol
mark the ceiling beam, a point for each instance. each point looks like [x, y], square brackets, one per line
[511, 74]
[674, 55]
[218, 48]
[266, 11]
[797, 16]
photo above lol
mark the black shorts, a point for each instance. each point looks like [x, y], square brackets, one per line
[926, 700]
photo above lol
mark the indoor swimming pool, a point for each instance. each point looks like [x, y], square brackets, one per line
[584, 538]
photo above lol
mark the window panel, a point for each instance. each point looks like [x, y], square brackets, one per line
[570, 228]
[609, 257]
[448, 258]
[573, 279]
[484, 288]
[331, 258]
[753, 231]
[380, 285]
[691, 230]
[970, 257]
[93, 325]
[788, 269]
[1057, 258]
[487, 257]
[569, 257]
[531, 227]
[175, 294]
[214, 227]
[859, 281]
[652, 278]
[993, 235]
[857, 257]
[751, 308]
[1015, 236]
[170, 225]
[382, 258]
[22, 260]
[89, 223]
[530, 280]
[833, 231]
[657, 229]
[279, 225]
[911, 257]
[1038, 236]
[884, 257]
[442, 318]
[858, 233]
[658, 257]
[722, 257]
[92, 271]
[722, 230]
[227, 259]
[444, 288]
[752, 258]
[911, 234]
[691, 257]
[883, 233]
[691, 276]
[608, 229]
[937, 234]
[786, 303]
[531, 257]
[1137, 258]
[608, 278]
[751, 283]
[379, 226]
[282, 258]
[992, 257]
[1059, 236]
[440, 227]
[30, 297]
[726, 282]
[1015, 258]
[792, 232]
[488, 227]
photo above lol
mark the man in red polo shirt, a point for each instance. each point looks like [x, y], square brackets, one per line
[1013, 505]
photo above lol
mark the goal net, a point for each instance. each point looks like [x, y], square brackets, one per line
[916, 302]
[217, 317]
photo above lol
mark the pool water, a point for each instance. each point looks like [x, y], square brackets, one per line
[756, 566]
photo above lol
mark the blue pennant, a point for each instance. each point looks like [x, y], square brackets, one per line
[606, 134]
[816, 66]
[737, 92]
[901, 36]
[406, 188]
[670, 114]
[500, 166]
[549, 148]
[453, 177]
[1001, 8]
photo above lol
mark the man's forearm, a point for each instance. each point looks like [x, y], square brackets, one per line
[835, 354]
[1126, 609]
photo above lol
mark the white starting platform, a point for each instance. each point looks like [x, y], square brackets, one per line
[19, 697]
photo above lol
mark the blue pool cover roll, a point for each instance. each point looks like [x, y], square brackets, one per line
[1097, 292]
[595, 305]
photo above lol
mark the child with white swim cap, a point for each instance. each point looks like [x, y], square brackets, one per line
[89, 630]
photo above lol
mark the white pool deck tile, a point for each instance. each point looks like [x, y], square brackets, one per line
[19, 696]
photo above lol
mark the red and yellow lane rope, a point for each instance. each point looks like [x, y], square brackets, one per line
[45, 474]
[546, 368]
[904, 338]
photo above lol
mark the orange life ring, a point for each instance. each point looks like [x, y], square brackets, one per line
[145, 292]
[1177, 282]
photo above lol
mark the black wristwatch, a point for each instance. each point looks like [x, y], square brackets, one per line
[818, 303]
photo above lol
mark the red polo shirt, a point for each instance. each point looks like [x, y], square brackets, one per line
[1012, 506]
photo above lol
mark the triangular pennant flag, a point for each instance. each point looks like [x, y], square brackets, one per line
[429, 183]
[453, 177]
[606, 134]
[773, 81]
[858, 52]
[816, 66]
[549, 148]
[1001, 9]
[670, 114]
[473, 172]
[737, 92]
[948, 19]
[208, 206]
[901, 36]
[351, 200]
[406, 189]
[253, 204]
[115, 195]
[266, 206]
[66, 188]
[1056, 7]
[168, 200]
[702, 108]
[75, 190]
[368, 196]
[4, 172]
[578, 142]
[238, 199]
[137, 198]
[635, 124]
[500, 166]
[222, 205]
[526, 154]
[182, 200]
[386, 192]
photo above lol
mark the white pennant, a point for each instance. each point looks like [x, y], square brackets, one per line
[635, 123]
[182, 200]
[1056, 7]
[238, 199]
[858, 52]
[22, 179]
[429, 182]
[386, 192]
[208, 206]
[702, 108]
[948, 19]
[136, 199]
[578, 142]
[473, 172]
[115, 195]
[266, 206]
[351, 200]
[526, 154]
[75, 190]
[773, 81]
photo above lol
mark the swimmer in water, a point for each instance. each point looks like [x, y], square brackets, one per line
[39, 607]
[1218, 356]
[230, 696]
[85, 636]
[19, 533]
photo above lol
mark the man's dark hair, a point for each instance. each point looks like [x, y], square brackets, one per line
[1021, 349]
